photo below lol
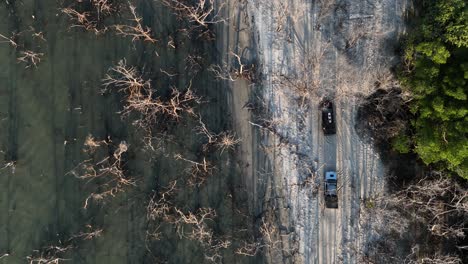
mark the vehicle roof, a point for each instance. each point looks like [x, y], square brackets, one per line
[330, 175]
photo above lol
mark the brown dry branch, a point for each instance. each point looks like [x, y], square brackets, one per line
[136, 31]
[126, 79]
[199, 230]
[241, 70]
[49, 255]
[81, 19]
[38, 35]
[91, 144]
[104, 7]
[10, 40]
[193, 63]
[88, 235]
[225, 140]
[268, 241]
[31, 58]
[140, 97]
[92, 18]
[54, 254]
[415, 258]
[198, 171]
[326, 6]
[199, 13]
[249, 249]
[159, 206]
[435, 201]
[359, 31]
[11, 164]
[109, 170]
[306, 81]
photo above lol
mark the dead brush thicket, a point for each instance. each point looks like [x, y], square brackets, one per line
[105, 169]
[54, 254]
[26, 54]
[90, 14]
[136, 31]
[306, 80]
[201, 13]
[439, 202]
[268, 241]
[188, 224]
[223, 141]
[140, 97]
[236, 69]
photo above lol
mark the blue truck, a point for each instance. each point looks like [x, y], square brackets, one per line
[331, 189]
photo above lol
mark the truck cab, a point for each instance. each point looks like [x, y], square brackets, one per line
[328, 117]
[331, 189]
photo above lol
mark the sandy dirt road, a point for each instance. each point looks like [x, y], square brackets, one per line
[309, 50]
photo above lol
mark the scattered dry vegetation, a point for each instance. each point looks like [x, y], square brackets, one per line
[200, 13]
[54, 254]
[238, 70]
[106, 170]
[136, 31]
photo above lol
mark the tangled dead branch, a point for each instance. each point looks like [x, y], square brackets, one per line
[439, 202]
[10, 40]
[31, 58]
[223, 141]
[54, 254]
[107, 170]
[90, 14]
[198, 171]
[136, 31]
[306, 81]
[239, 70]
[140, 97]
[199, 13]
[268, 241]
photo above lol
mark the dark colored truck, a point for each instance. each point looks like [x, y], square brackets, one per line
[331, 195]
[328, 118]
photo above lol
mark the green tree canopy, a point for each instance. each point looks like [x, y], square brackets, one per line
[438, 51]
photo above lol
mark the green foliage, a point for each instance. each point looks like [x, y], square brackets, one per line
[438, 57]
[435, 51]
[401, 143]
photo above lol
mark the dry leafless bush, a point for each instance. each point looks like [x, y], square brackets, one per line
[104, 7]
[199, 13]
[54, 254]
[10, 40]
[82, 20]
[136, 31]
[269, 241]
[193, 63]
[49, 255]
[89, 234]
[416, 258]
[90, 14]
[239, 70]
[306, 81]
[223, 141]
[105, 168]
[140, 97]
[439, 202]
[159, 206]
[192, 225]
[31, 58]
[198, 171]
[325, 7]
[359, 31]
